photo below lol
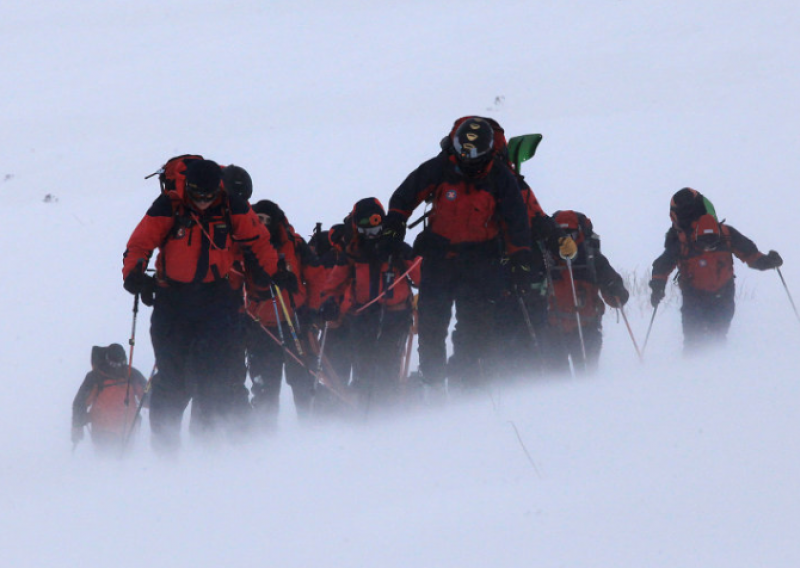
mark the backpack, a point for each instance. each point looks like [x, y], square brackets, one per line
[108, 411]
[687, 206]
[171, 175]
[706, 260]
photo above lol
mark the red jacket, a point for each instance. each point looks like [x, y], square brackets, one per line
[363, 278]
[198, 246]
[301, 261]
[701, 270]
[466, 210]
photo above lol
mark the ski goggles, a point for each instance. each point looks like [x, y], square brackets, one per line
[370, 231]
[199, 195]
[264, 218]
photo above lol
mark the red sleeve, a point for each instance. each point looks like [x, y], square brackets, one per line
[148, 235]
[253, 240]
[338, 281]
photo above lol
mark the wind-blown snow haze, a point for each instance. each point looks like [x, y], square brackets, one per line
[667, 463]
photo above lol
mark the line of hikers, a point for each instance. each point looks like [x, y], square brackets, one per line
[237, 291]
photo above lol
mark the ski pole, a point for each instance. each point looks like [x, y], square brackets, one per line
[577, 313]
[293, 331]
[132, 343]
[321, 353]
[649, 327]
[785, 287]
[630, 332]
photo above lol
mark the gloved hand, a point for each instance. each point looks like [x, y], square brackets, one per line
[392, 236]
[658, 286]
[616, 296]
[329, 311]
[138, 282]
[286, 280]
[77, 434]
[307, 316]
[521, 275]
[770, 260]
[567, 248]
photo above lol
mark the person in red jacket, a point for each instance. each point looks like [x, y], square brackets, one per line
[329, 246]
[377, 305]
[107, 401]
[702, 249]
[595, 282]
[299, 279]
[196, 325]
[477, 216]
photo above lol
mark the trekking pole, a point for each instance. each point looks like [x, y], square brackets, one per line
[649, 327]
[132, 343]
[146, 391]
[321, 353]
[293, 331]
[577, 313]
[630, 332]
[791, 301]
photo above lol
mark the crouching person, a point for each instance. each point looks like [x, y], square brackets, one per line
[107, 401]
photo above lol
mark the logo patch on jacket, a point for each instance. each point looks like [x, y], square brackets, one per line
[451, 195]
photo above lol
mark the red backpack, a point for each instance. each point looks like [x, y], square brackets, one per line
[113, 401]
[706, 260]
[171, 175]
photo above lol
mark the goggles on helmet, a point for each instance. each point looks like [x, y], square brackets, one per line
[370, 232]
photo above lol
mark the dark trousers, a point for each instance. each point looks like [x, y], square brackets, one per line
[267, 361]
[518, 350]
[472, 283]
[560, 346]
[378, 344]
[197, 340]
[706, 317]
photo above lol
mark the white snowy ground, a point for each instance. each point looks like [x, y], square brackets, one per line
[666, 464]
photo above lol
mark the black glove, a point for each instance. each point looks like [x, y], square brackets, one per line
[616, 296]
[393, 235]
[658, 286]
[770, 260]
[307, 316]
[286, 280]
[140, 283]
[521, 274]
[329, 311]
